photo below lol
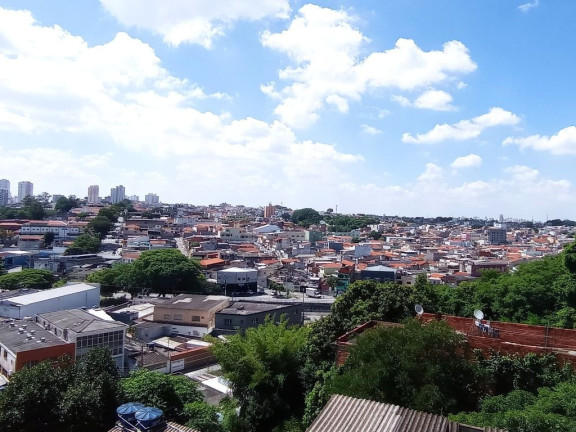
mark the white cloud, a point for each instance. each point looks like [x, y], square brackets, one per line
[437, 100]
[326, 50]
[371, 130]
[119, 95]
[464, 129]
[563, 143]
[192, 21]
[471, 160]
[432, 173]
[402, 100]
[529, 5]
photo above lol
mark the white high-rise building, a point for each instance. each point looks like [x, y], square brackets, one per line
[25, 188]
[4, 192]
[117, 194]
[93, 194]
[151, 199]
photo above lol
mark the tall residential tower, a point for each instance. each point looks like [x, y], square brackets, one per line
[25, 188]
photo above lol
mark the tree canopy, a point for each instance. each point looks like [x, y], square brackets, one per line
[84, 244]
[170, 393]
[72, 397]
[305, 217]
[262, 366]
[27, 278]
[64, 204]
[161, 271]
[419, 366]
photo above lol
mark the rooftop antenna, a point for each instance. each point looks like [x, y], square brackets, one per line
[419, 309]
[478, 314]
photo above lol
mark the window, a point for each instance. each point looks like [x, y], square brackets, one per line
[254, 320]
[177, 317]
[196, 318]
[167, 316]
[228, 321]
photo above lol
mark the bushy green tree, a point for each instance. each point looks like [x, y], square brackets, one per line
[84, 244]
[419, 366]
[305, 217]
[100, 225]
[27, 278]
[72, 397]
[202, 417]
[262, 366]
[170, 393]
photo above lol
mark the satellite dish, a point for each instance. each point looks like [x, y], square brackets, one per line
[419, 309]
[478, 314]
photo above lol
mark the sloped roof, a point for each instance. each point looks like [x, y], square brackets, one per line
[346, 414]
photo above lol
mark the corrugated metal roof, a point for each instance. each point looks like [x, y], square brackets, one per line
[348, 414]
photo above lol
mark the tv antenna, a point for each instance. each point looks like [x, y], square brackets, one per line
[419, 309]
[478, 314]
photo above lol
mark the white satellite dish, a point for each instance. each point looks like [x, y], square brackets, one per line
[419, 309]
[478, 314]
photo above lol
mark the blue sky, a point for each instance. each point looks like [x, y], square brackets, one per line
[452, 108]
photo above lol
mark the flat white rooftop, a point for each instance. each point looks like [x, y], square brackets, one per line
[48, 294]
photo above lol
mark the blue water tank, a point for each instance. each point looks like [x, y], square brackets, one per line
[126, 412]
[148, 417]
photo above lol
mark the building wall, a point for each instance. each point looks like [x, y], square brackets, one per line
[187, 317]
[52, 353]
[380, 276]
[237, 278]
[234, 322]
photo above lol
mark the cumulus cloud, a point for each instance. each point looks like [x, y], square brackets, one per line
[326, 50]
[437, 100]
[464, 129]
[192, 21]
[432, 173]
[525, 7]
[118, 93]
[471, 160]
[563, 143]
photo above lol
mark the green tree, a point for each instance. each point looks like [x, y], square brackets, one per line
[48, 238]
[2, 269]
[170, 393]
[64, 204]
[202, 417]
[112, 279]
[167, 270]
[33, 209]
[72, 397]
[305, 217]
[262, 366]
[100, 225]
[27, 278]
[570, 257]
[84, 244]
[420, 366]
[110, 213]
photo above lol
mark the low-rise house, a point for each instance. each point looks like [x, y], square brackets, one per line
[242, 315]
[190, 314]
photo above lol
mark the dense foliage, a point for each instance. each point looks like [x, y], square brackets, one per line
[84, 244]
[72, 397]
[305, 217]
[343, 223]
[170, 393]
[31, 208]
[416, 366]
[64, 204]
[161, 271]
[263, 366]
[27, 278]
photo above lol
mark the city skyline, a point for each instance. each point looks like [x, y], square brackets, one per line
[396, 107]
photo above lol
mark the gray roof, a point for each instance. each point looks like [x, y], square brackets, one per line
[345, 414]
[380, 268]
[80, 321]
[39, 296]
[246, 308]
[16, 342]
[195, 302]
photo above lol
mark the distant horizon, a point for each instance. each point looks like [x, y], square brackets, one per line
[378, 107]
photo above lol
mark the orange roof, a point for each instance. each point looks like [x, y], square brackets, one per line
[330, 265]
[211, 261]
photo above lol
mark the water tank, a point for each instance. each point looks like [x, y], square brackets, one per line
[126, 412]
[148, 417]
